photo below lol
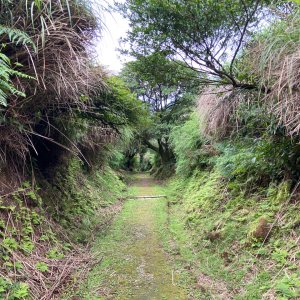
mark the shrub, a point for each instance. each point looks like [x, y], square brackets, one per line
[189, 147]
[258, 161]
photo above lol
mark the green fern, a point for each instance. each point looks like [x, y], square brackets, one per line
[16, 36]
[7, 87]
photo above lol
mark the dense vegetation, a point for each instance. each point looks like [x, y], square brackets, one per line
[209, 102]
[63, 123]
[234, 199]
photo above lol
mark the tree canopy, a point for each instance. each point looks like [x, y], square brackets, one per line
[159, 81]
[168, 88]
[207, 35]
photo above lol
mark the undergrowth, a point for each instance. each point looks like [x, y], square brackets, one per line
[188, 148]
[235, 217]
[75, 196]
[248, 241]
[37, 250]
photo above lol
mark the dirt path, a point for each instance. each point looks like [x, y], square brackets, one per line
[134, 264]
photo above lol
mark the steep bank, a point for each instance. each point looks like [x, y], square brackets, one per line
[45, 232]
[239, 245]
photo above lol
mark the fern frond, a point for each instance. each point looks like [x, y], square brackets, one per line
[4, 59]
[16, 36]
[20, 74]
[3, 97]
[6, 85]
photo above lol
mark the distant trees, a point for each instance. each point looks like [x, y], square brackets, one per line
[168, 88]
[159, 81]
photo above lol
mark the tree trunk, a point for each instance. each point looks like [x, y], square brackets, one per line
[129, 165]
[166, 154]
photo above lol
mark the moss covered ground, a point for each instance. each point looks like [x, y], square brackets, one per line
[134, 263]
[206, 240]
[239, 246]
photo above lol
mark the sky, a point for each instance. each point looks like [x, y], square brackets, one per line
[115, 28]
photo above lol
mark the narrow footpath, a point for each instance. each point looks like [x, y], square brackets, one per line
[135, 265]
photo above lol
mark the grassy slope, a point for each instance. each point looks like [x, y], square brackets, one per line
[76, 197]
[213, 227]
[34, 249]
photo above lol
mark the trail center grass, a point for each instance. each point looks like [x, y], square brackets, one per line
[134, 264]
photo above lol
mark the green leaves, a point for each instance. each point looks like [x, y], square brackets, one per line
[41, 266]
[10, 244]
[20, 291]
[288, 286]
[187, 144]
[159, 81]
[15, 291]
[16, 36]
[202, 33]
[55, 254]
[280, 256]
[118, 106]
[7, 87]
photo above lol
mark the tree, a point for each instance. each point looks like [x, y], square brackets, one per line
[116, 106]
[207, 35]
[169, 88]
[158, 81]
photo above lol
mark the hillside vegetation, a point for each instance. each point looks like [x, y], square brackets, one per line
[63, 123]
[209, 103]
[234, 198]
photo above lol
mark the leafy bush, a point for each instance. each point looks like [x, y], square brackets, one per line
[259, 161]
[189, 147]
[15, 291]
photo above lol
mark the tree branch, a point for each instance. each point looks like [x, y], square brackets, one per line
[150, 146]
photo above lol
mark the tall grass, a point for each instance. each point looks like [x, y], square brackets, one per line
[274, 57]
[59, 58]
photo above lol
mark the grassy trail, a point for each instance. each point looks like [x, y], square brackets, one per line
[134, 264]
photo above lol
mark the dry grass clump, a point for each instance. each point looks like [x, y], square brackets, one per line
[51, 284]
[60, 62]
[13, 143]
[285, 92]
[274, 58]
[93, 144]
[216, 108]
[216, 288]
[98, 136]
